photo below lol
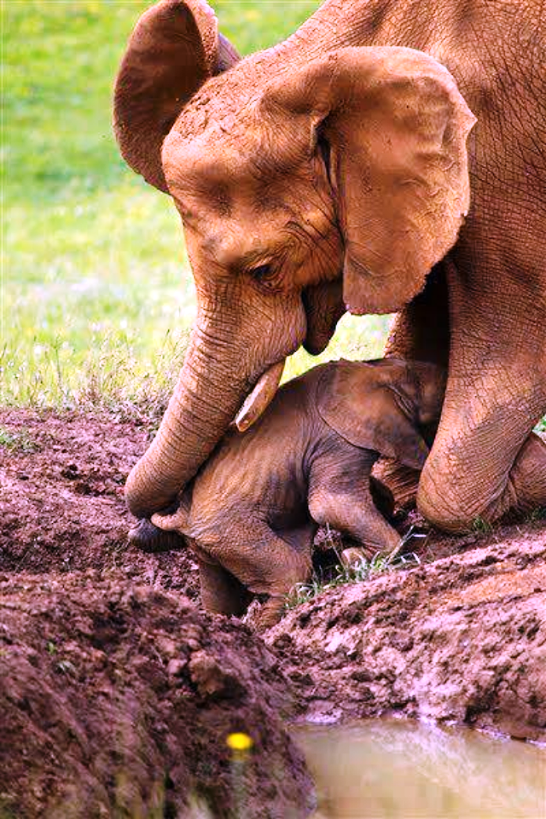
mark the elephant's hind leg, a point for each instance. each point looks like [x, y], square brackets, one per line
[357, 516]
[340, 494]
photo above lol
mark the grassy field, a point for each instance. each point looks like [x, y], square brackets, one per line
[97, 293]
[97, 296]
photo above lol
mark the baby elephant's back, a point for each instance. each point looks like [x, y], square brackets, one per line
[267, 457]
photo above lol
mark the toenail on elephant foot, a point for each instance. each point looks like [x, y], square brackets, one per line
[144, 535]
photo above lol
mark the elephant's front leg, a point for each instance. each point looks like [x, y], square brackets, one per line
[264, 563]
[221, 592]
[485, 461]
[455, 503]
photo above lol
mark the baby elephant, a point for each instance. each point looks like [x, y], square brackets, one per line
[253, 509]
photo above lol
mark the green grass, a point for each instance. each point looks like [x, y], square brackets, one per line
[359, 571]
[17, 442]
[97, 295]
[348, 575]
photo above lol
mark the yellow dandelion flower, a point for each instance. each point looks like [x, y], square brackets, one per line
[239, 742]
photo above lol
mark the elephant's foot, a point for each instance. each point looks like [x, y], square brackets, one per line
[270, 613]
[526, 488]
[144, 535]
[221, 592]
[442, 503]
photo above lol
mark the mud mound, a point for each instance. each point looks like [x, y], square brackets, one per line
[116, 700]
[461, 639]
[62, 506]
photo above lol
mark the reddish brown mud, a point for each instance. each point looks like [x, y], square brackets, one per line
[118, 692]
[116, 699]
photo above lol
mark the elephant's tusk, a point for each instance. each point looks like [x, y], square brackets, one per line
[260, 397]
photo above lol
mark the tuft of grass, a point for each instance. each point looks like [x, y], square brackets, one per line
[537, 514]
[17, 441]
[481, 526]
[112, 377]
[359, 572]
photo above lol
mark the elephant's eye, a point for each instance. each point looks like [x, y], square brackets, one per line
[262, 272]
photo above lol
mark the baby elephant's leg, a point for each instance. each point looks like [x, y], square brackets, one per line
[266, 564]
[221, 592]
[339, 494]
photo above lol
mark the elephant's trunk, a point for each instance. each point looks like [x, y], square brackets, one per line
[204, 402]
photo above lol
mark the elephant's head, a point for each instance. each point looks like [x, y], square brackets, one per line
[307, 185]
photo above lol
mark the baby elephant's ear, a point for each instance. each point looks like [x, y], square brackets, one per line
[366, 413]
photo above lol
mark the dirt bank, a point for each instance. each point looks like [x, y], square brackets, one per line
[118, 692]
[461, 639]
[117, 699]
[62, 506]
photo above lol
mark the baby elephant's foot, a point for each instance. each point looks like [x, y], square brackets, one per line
[353, 556]
[144, 535]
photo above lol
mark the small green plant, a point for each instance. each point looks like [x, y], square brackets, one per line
[537, 514]
[357, 572]
[481, 526]
[17, 441]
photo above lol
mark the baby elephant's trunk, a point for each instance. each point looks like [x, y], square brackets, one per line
[432, 380]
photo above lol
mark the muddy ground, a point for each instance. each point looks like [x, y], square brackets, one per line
[118, 692]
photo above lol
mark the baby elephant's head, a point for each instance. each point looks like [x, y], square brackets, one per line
[380, 405]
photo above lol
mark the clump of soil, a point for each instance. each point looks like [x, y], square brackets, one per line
[116, 700]
[461, 639]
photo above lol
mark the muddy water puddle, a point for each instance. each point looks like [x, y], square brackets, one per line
[389, 769]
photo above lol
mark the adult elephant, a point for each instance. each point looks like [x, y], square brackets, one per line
[320, 176]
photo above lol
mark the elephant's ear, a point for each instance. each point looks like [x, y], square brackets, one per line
[364, 406]
[395, 128]
[173, 50]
